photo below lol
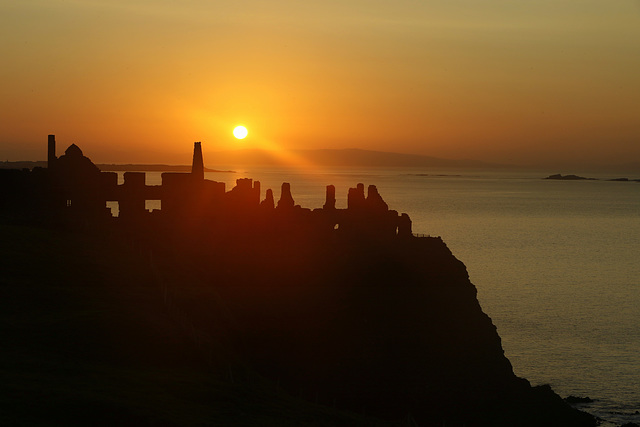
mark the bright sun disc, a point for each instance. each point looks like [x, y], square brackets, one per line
[240, 132]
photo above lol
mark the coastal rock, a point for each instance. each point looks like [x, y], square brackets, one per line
[577, 399]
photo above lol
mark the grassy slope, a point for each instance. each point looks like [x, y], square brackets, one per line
[87, 341]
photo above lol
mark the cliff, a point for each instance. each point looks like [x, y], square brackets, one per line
[391, 328]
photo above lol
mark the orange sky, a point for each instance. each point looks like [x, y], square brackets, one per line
[526, 82]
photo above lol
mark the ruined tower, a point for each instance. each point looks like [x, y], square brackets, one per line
[51, 151]
[197, 167]
[286, 200]
[330, 202]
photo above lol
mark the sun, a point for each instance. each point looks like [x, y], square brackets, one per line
[240, 132]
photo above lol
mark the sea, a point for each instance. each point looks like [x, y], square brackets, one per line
[556, 263]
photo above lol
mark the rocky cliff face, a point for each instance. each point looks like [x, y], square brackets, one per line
[386, 327]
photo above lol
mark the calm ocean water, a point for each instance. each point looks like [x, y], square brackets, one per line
[555, 263]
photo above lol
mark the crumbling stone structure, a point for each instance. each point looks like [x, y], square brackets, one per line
[73, 186]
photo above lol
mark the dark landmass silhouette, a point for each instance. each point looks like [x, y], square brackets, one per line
[624, 180]
[225, 308]
[582, 178]
[344, 158]
[433, 174]
[569, 177]
[351, 157]
[23, 164]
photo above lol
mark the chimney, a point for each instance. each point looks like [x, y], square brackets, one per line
[197, 167]
[51, 153]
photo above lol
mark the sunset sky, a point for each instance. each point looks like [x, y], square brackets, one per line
[521, 82]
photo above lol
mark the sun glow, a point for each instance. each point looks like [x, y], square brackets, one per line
[240, 132]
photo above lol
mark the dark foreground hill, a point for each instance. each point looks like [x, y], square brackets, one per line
[137, 329]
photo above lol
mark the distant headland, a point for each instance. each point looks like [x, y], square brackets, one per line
[345, 308]
[350, 157]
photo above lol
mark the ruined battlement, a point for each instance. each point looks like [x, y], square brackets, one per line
[73, 186]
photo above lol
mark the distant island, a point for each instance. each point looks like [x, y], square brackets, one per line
[569, 177]
[582, 178]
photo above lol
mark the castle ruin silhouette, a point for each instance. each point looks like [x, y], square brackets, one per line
[72, 188]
